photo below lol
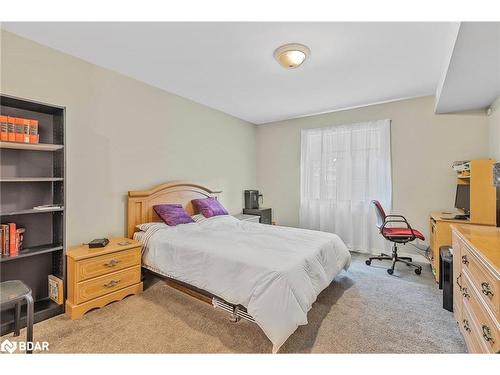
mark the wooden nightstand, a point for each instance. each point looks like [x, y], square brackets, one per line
[102, 275]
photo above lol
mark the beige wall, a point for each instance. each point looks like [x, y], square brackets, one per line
[423, 147]
[124, 135]
[494, 130]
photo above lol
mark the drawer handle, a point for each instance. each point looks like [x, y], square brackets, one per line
[466, 325]
[458, 278]
[487, 289]
[465, 260]
[112, 284]
[465, 293]
[487, 334]
[112, 263]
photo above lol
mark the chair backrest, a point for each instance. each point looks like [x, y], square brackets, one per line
[379, 210]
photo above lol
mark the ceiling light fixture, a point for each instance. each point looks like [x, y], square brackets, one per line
[291, 56]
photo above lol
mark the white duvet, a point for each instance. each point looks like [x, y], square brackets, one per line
[275, 272]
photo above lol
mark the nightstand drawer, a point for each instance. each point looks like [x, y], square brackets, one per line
[87, 290]
[101, 265]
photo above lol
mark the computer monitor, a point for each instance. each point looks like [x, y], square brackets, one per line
[462, 199]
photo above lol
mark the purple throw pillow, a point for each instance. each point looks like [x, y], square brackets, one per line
[209, 207]
[172, 214]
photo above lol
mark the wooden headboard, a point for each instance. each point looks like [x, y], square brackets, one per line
[140, 203]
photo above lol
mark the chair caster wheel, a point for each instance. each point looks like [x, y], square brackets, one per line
[368, 262]
[418, 271]
[390, 271]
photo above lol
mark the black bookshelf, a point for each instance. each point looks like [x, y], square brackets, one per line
[34, 175]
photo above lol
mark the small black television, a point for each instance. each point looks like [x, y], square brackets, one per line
[462, 198]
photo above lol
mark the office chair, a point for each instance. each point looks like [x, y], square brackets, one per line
[396, 235]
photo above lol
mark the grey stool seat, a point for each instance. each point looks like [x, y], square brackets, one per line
[12, 293]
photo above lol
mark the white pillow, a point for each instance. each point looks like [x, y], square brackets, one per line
[198, 218]
[139, 235]
[145, 226]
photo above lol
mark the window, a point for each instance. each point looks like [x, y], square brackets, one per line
[343, 168]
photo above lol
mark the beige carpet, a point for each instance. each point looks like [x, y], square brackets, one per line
[364, 311]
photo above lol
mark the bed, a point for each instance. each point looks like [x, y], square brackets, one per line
[267, 274]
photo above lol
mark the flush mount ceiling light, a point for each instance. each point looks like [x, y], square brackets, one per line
[291, 56]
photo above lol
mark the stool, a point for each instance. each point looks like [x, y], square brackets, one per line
[13, 292]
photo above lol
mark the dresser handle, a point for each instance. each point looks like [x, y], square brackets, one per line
[112, 263]
[487, 334]
[458, 278]
[466, 325]
[111, 284]
[465, 260]
[487, 289]
[465, 293]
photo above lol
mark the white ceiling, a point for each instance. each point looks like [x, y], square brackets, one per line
[230, 66]
[472, 79]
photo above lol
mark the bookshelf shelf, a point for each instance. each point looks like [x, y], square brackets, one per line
[30, 146]
[31, 179]
[33, 175]
[30, 211]
[28, 252]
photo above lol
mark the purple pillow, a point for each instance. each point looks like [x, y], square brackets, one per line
[172, 214]
[209, 207]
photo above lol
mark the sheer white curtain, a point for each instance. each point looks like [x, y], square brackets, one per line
[342, 169]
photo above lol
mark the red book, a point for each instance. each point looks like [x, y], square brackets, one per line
[1, 241]
[12, 239]
[26, 130]
[5, 239]
[3, 126]
[19, 129]
[19, 239]
[11, 129]
[33, 131]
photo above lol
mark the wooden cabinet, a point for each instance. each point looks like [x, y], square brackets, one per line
[476, 263]
[482, 192]
[99, 276]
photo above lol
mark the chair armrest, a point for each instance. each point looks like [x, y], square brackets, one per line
[401, 216]
[395, 221]
[401, 219]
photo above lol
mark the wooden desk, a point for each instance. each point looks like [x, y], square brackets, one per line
[440, 235]
[483, 209]
[476, 292]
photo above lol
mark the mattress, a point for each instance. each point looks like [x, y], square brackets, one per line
[275, 272]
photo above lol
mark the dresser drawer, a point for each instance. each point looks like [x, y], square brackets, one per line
[482, 279]
[101, 265]
[470, 331]
[90, 289]
[488, 329]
